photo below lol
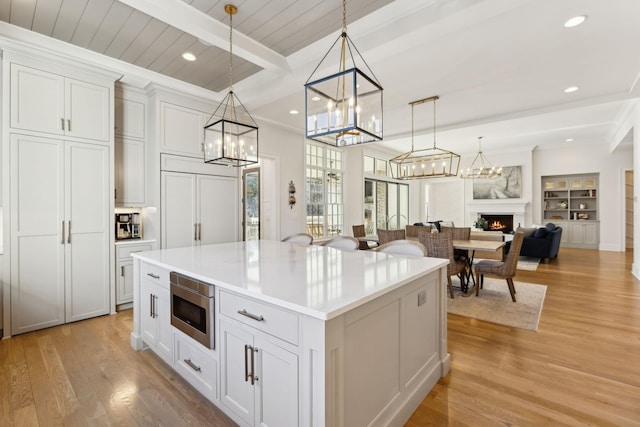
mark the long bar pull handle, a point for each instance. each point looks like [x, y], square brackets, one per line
[62, 122]
[192, 365]
[155, 302]
[122, 270]
[247, 347]
[253, 366]
[69, 233]
[69, 125]
[244, 312]
[199, 231]
[62, 234]
[155, 276]
[195, 231]
[151, 305]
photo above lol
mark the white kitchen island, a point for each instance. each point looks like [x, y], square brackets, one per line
[338, 338]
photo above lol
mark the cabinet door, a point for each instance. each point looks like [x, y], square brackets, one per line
[591, 235]
[148, 312]
[217, 209]
[124, 292]
[87, 272]
[178, 214]
[277, 384]
[181, 130]
[37, 100]
[130, 118]
[88, 110]
[129, 171]
[164, 345]
[236, 392]
[37, 248]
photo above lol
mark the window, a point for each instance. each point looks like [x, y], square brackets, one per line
[386, 205]
[324, 191]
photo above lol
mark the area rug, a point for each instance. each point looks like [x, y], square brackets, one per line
[528, 263]
[494, 303]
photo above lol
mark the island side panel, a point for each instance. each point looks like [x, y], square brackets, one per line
[383, 358]
[135, 338]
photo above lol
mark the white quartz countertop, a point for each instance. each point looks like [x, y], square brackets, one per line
[318, 281]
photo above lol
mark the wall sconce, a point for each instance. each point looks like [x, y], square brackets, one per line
[292, 191]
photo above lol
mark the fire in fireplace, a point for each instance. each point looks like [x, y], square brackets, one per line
[502, 223]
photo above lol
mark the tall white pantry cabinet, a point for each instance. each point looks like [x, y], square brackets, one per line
[57, 191]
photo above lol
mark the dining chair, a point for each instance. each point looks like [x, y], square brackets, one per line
[359, 231]
[413, 230]
[459, 233]
[502, 269]
[385, 236]
[440, 245]
[342, 242]
[403, 247]
[303, 238]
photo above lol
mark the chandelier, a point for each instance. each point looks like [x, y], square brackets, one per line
[344, 108]
[428, 162]
[231, 134]
[481, 168]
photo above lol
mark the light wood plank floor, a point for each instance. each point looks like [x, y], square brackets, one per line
[582, 366]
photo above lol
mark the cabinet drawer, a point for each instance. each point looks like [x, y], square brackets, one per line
[278, 322]
[127, 250]
[196, 366]
[155, 274]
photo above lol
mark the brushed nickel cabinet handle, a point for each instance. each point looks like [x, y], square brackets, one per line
[253, 365]
[199, 231]
[257, 317]
[151, 305]
[153, 275]
[246, 362]
[69, 125]
[62, 123]
[195, 231]
[62, 235]
[69, 233]
[192, 365]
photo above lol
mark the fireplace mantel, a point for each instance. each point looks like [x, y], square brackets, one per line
[507, 207]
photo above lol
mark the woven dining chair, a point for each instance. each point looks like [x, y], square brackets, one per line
[342, 242]
[385, 236]
[359, 231]
[403, 247]
[413, 230]
[459, 233]
[502, 269]
[440, 245]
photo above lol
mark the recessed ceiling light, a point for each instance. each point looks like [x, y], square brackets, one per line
[575, 21]
[569, 140]
[571, 89]
[315, 98]
[189, 56]
[294, 112]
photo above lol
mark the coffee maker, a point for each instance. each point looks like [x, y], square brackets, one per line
[127, 226]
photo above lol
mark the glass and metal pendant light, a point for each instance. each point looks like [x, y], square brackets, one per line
[481, 168]
[231, 134]
[345, 108]
[428, 162]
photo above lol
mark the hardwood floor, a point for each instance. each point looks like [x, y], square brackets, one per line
[582, 366]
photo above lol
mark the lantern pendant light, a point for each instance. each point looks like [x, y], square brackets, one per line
[231, 134]
[481, 168]
[345, 108]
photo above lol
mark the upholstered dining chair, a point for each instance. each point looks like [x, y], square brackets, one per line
[303, 238]
[385, 236]
[440, 245]
[502, 269]
[403, 247]
[359, 231]
[342, 242]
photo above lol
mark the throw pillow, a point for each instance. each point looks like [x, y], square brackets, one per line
[550, 227]
[528, 232]
[540, 233]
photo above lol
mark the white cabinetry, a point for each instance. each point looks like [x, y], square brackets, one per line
[198, 209]
[259, 371]
[181, 129]
[583, 234]
[197, 365]
[129, 150]
[51, 103]
[59, 231]
[124, 288]
[155, 311]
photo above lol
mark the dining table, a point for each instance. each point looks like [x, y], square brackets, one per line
[471, 245]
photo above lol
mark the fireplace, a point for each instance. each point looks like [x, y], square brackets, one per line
[499, 222]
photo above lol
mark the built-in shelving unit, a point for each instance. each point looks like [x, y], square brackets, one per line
[571, 201]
